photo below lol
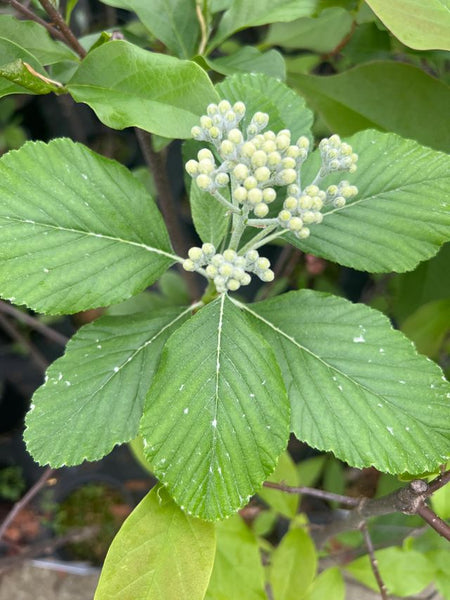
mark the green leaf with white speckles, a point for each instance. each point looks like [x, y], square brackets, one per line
[95, 392]
[77, 230]
[400, 215]
[356, 386]
[216, 417]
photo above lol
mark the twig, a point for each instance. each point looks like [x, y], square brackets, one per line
[58, 20]
[307, 491]
[439, 482]
[374, 561]
[166, 203]
[430, 517]
[22, 340]
[26, 12]
[50, 333]
[20, 504]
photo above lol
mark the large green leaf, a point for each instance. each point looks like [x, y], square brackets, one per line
[174, 22]
[356, 386]
[320, 34]
[238, 571]
[216, 417]
[293, 566]
[400, 215]
[386, 95]
[93, 396]
[76, 230]
[159, 552]
[285, 108]
[247, 13]
[420, 25]
[35, 39]
[127, 86]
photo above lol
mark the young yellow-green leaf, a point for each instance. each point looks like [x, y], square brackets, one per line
[159, 553]
[370, 94]
[405, 572]
[329, 584]
[417, 24]
[400, 215]
[32, 82]
[174, 22]
[35, 39]
[10, 52]
[293, 567]
[286, 473]
[247, 13]
[238, 570]
[77, 230]
[216, 417]
[96, 391]
[356, 386]
[127, 86]
[286, 109]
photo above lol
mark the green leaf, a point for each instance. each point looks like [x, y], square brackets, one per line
[329, 584]
[237, 572]
[216, 417]
[23, 74]
[405, 572]
[294, 564]
[286, 473]
[174, 22]
[246, 13]
[249, 59]
[428, 327]
[10, 52]
[95, 393]
[159, 552]
[400, 215]
[211, 219]
[309, 470]
[34, 39]
[321, 34]
[385, 95]
[77, 229]
[440, 502]
[417, 24]
[127, 86]
[261, 93]
[356, 386]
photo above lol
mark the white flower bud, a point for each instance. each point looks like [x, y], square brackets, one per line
[288, 163]
[217, 260]
[205, 167]
[303, 233]
[206, 122]
[195, 254]
[273, 159]
[208, 249]
[233, 285]
[309, 217]
[295, 224]
[293, 189]
[229, 255]
[261, 210]
[230, 117]
[317, 203]
[334, 140]
[245, 279]
[211, 109]
[227, 148]
[305, 202]
[334, 165]
[284, 216]
[226, 269]
[238, 273]
[240, 171]
[319, 217]
[248, 149]
[252, 129]
[260, 119]
[269, 135]
[332, 190]
[250, 183]
[287, 176]
[192, 167]
[220, 283]
[346, 149]
[211, 271]
[214, 132]
[283, 140]
[222, 179]
[196, 133]
[251, 256]
[239, 108]
[188, 265]
[254, 196]
[204, 182]
[224, 106]
[240, 261]
[291, 203]
[293, 152]
[259, 158]
[339, 202]
[235, 136]
[312, 190]
[302, 142]
[262, 263]
[262, 174]
[267, 276]
[269, 146]
[269, 195]
[240, 194]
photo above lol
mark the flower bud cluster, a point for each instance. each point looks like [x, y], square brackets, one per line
[337, 195]
[302, 208]
[337, 156]
[207, 175]
[255, 162]
[228, 270]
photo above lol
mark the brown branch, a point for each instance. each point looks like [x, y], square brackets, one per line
[430, 517]
[307, 491]
[15, 334]
[166, 203]
[26, 12]
[18, 506]
[374, 562]
[48, 332]
[439, 482]
[68, 34]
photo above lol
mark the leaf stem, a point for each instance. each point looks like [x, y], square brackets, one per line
[68, 34]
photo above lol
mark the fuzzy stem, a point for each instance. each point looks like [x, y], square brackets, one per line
[218, 196]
